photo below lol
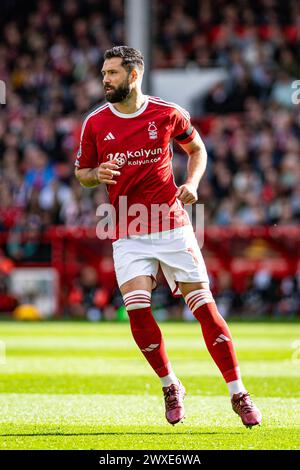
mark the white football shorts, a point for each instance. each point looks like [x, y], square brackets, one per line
[176, 251]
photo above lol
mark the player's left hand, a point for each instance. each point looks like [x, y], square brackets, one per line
[187, 193]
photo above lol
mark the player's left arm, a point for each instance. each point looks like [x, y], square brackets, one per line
[187, 193]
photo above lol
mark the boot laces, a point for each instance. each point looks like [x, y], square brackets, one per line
[172, 397]
[244, 403]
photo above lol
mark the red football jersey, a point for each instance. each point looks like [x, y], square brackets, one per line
[140, 142]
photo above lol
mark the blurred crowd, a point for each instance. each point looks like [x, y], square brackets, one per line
[50, 57]
[251, 121]
[50, 60]
[265, 296]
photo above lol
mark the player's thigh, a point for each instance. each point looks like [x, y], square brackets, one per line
[182, 262]
[134, 264]
[137, 283]
[187, 287]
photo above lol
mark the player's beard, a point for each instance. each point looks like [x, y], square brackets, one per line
[116, 95]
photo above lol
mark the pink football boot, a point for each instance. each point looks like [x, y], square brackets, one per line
[174, 396]
[243, 406]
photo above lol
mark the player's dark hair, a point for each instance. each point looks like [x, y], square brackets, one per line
[130, 57]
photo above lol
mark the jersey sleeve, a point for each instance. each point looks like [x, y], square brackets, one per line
[87, 152]
[183, 131]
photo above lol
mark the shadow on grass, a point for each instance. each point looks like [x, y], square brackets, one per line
[186, 433]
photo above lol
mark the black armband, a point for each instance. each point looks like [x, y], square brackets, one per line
[185, 134]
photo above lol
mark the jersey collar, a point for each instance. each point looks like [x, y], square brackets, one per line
[132, 115]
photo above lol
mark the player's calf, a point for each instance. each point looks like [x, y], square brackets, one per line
[216, 335]
[219, 343]
[148, 337]
[146, 331]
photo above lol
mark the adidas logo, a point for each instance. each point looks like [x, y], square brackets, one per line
[221, 339]
[109, 136]
[150, 348]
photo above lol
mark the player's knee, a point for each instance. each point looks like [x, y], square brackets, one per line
[197, 298]
[137, 299]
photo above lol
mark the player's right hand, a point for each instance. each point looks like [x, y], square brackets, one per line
[107, 171]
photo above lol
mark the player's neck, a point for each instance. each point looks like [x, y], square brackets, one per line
[132, 104]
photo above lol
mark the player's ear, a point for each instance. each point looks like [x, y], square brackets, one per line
[133, 75]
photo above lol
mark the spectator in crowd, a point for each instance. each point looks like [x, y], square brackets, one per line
[87, 297]
[8, 301]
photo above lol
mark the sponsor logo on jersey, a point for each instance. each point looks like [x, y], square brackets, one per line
[123, 157]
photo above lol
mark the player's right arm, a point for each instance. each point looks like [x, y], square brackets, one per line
[87, 168]
[104, 173]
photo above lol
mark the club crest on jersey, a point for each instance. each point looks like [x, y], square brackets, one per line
[120, 158]
[152, 130]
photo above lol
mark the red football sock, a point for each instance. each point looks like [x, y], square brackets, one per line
[215, 332]
[146, 331]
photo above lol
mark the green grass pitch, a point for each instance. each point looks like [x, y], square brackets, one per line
[86, 386]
